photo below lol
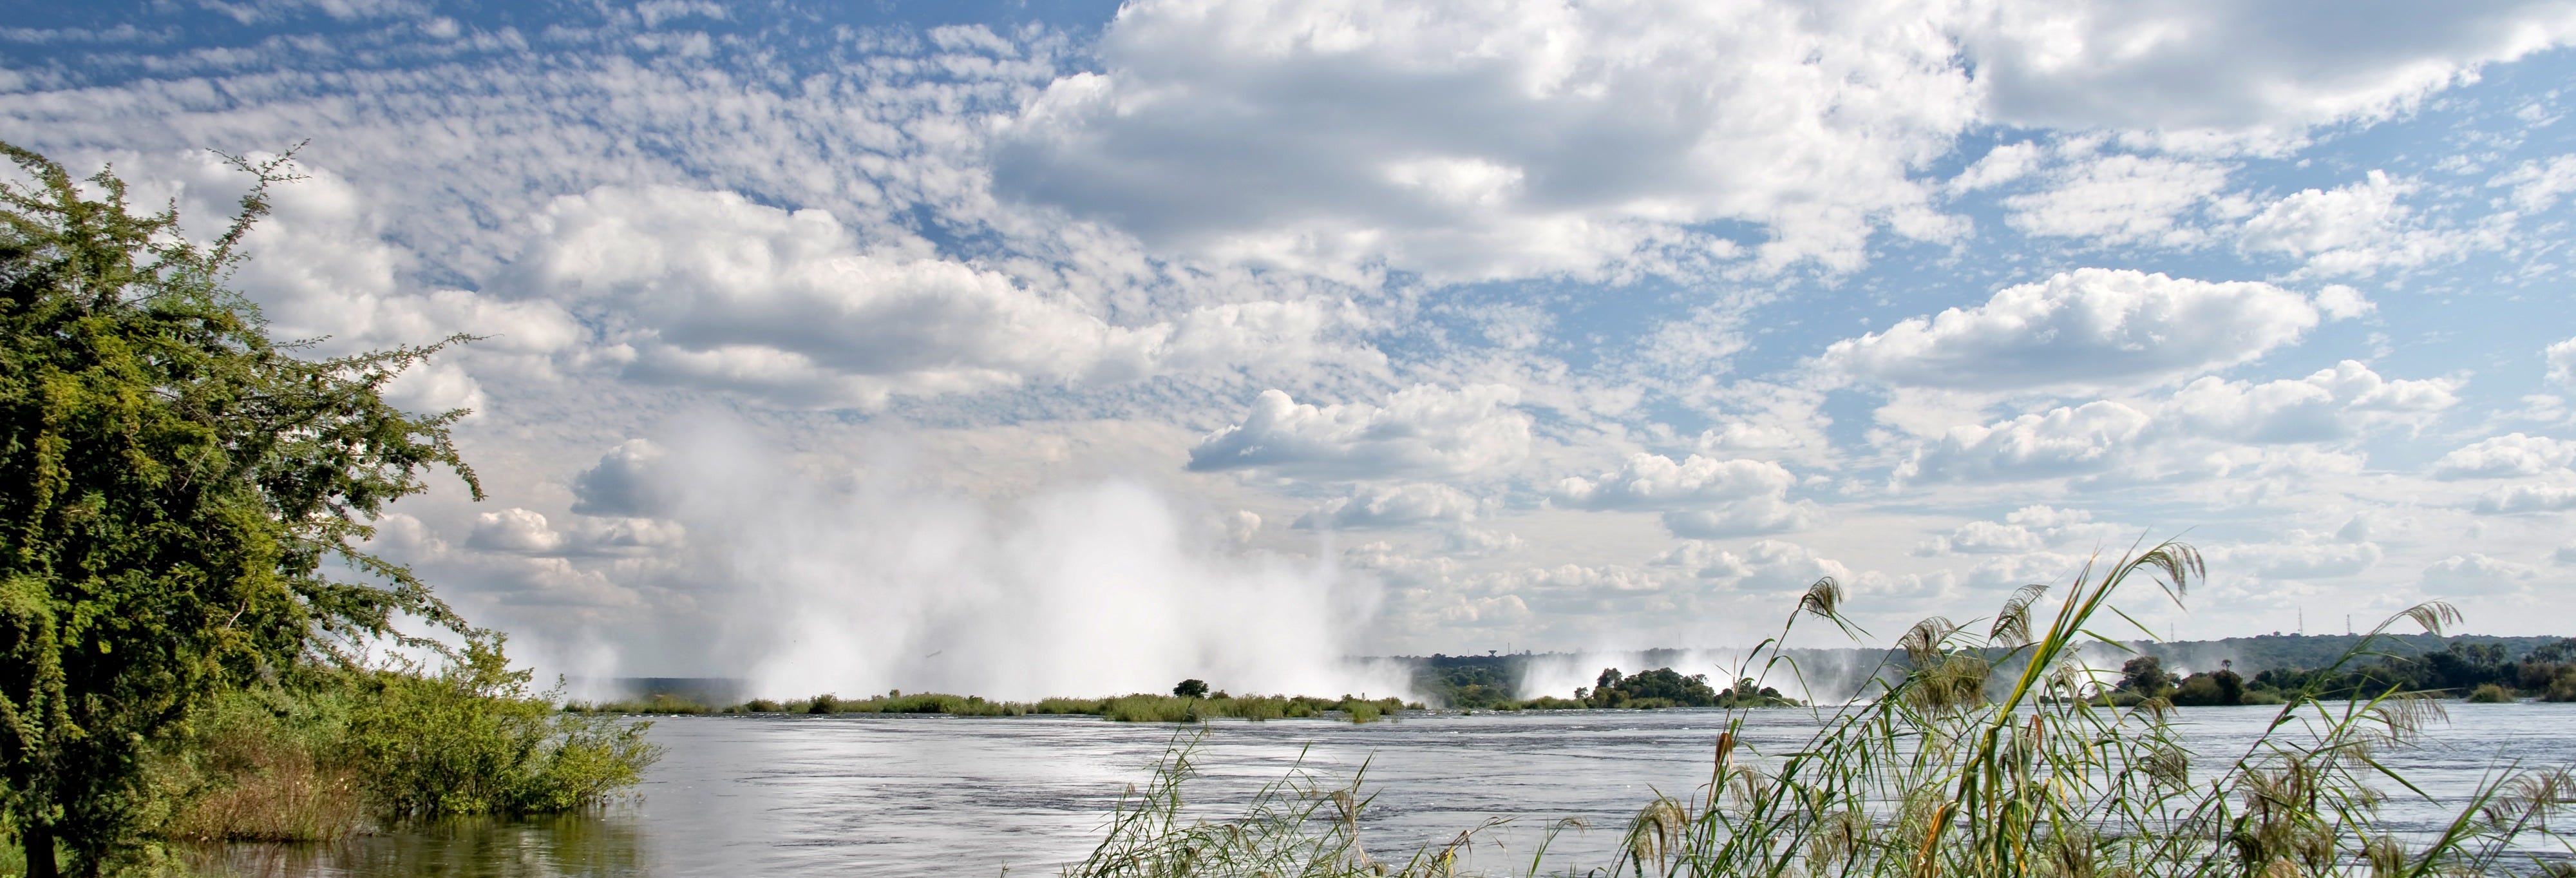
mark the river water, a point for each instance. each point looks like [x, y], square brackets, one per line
[875, 794]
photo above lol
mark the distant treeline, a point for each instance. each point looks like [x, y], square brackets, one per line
[2266, 667]
[1199, 706]
[2271, 665]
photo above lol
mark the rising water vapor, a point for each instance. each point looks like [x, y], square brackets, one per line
[862, 585]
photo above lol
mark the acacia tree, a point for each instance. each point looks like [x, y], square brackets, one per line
[183, 501]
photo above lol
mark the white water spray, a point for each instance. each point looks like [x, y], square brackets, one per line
[1090, 590]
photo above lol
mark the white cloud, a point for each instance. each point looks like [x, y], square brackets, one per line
[1699, 496]
[2328, 404]
[2001, 165]
[2517, 499]
[1764, 566]
[629, 481]
[514, 530]
[2339, 302]
[2259, 70]
[1477, 542]
[1421, 431]
[2353, 229]
[2119, 199]
[2305, 557]
[2505, 456]
[1478, 140]
[2537, 185]
[1987, 537]
[2206, 429]
[2474, 574]
[2092, 326]
[1378, 506]
[710, 288]
[2562, 362]
[2028, 529]
[2060, 442]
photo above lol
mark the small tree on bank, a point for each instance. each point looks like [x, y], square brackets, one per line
[182, 500]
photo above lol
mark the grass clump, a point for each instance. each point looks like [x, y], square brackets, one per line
[1984, 752]
[2490, 694]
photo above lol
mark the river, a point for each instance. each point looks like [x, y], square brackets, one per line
[876, 794]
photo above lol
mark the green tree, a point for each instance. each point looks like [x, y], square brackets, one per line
[2231, 685]
[182, 500]
[1191, 688]
[2145, 675]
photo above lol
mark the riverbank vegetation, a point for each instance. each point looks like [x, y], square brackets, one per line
[1123, 708]
[187, 599]
[1985, 752]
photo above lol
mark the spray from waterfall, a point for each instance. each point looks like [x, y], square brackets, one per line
[863, 584]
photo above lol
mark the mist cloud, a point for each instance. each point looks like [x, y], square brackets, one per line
[863, 584]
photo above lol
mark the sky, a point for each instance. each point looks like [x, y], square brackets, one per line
[1103, 340]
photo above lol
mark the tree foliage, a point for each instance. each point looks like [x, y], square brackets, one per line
[183, 501]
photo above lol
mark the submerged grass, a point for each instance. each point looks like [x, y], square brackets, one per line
[1955, 768]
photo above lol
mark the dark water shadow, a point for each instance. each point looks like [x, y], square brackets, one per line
[559, 846]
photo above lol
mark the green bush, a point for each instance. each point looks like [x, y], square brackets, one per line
[2491, 694]
[2561, 687]
[473, 740]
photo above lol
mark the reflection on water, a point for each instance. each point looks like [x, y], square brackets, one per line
[860, 793]
[566, 845]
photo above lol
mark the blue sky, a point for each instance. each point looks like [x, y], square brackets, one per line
[1396, 327]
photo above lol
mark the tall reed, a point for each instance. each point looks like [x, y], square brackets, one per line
[1985, 752]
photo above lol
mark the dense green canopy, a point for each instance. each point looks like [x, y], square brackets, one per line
[182, 500]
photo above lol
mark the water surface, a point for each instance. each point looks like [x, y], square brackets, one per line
[876, 794]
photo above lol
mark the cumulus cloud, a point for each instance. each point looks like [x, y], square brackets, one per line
[514, 530]
[2259, 71]
[2207, 428]
[1471, 140]
[1699, 497]
[1763, 566]
[2505, 456]
[2328, 404]
[2087, 327]
[2060, 442]
[710, 288]
[2348, 230]
[2474, 574]
[2562, 362]
[1421, 431]
[1475, 140]
[2516, 499]
[630, 480]
[1392, 506]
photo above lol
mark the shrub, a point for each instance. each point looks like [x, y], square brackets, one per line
[2490, 694]
[472, 740]
[2561, 687]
